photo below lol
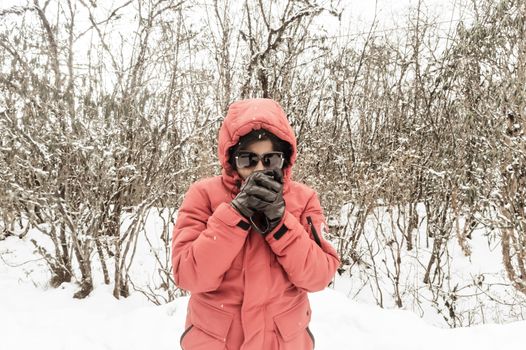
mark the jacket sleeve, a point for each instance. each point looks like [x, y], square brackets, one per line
[308, 259]
[205, 243]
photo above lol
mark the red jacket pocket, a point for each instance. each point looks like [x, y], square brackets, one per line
[212, 321]
[294, 321]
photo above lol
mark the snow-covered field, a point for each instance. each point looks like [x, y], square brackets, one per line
[33, 316]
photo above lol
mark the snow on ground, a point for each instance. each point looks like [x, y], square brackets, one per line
[33, 316]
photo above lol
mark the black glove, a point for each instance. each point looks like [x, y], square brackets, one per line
[246, 201]
[267, 198]
[260, 199]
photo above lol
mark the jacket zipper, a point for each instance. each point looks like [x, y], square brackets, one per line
[313, 230]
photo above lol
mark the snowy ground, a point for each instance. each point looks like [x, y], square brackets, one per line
[33, 316]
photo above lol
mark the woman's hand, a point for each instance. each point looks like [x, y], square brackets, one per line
[272, 205]
[250, 196]
[241, 202]
[262, 193]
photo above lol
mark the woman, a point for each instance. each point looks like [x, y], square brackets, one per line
[247, 244]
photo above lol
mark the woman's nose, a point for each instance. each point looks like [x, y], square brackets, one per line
[259, 166]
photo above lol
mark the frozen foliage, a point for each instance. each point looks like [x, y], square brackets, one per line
[390, 264]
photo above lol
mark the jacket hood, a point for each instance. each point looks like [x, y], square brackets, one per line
[253, 114]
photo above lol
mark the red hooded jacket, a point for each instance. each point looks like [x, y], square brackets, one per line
[249, 292]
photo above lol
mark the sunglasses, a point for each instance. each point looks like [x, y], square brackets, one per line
[270, 160]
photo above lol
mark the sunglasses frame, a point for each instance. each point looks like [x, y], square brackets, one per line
[260, 159]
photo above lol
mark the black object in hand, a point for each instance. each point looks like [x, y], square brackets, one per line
[271, 204]
[276, 174]
[262, 194]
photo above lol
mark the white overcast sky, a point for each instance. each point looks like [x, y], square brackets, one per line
[358, 12]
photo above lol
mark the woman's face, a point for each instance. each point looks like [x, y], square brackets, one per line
[259, 147]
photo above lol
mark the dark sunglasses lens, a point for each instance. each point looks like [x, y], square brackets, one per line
[246, 160]
[250, 160]
[272, 160]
